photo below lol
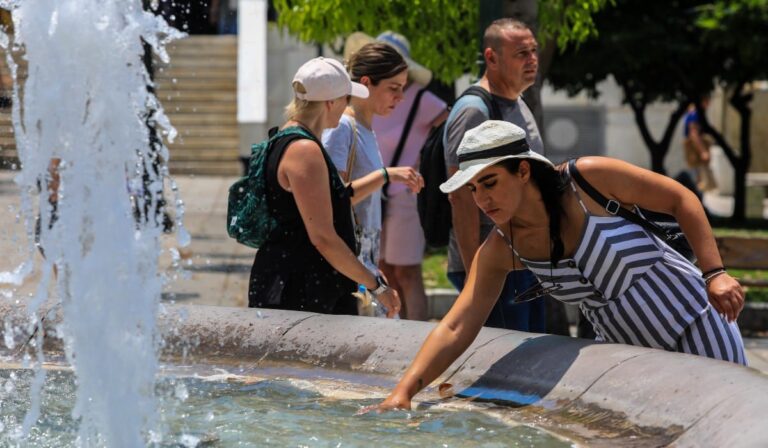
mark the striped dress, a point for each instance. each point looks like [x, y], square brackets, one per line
[634, 289]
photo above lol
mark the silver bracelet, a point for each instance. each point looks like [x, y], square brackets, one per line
[710, 277]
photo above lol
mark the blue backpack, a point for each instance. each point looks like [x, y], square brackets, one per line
[248, 218]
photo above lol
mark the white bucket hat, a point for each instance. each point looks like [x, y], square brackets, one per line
[417, 72]
[326, 79]
[485, 145]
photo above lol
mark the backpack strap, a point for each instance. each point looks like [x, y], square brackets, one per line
[404, 135]
[494, 112]
[614, 207]
[278, 144]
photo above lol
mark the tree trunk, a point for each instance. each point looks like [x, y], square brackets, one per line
[741, 103]
[660, 149]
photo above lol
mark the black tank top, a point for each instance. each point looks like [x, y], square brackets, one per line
[288, 271]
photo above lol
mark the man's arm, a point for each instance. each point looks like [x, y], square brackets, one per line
[466, 222]
[464, 212]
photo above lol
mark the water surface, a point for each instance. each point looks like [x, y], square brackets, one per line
[262, 411]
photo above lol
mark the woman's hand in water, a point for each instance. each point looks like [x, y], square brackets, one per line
[391, 301]
[406, 175]
[726, 295]
[396, 400]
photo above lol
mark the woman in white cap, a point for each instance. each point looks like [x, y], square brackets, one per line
[309, 263]
[631, 285]
[353, 146]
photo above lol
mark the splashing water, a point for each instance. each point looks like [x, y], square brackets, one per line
[86, 103]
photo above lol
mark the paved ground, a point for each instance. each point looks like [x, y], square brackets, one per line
[213, 269]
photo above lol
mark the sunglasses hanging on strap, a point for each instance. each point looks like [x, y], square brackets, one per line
[665, 228]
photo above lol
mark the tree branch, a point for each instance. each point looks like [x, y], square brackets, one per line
[674, 118]
[707, 128]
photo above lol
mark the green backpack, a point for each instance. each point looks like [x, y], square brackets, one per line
[248, 218]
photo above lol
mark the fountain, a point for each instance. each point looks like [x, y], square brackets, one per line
[86, 103]
[261, 377]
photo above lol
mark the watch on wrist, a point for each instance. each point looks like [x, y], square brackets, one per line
[381, 286]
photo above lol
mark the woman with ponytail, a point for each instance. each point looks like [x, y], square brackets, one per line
[632, 287]
[353, 147]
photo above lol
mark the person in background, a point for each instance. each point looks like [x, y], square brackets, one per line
[633, 287]
[223, 16]
[308, 263]
[353, 146]
[511, 58]
[402, 242]
[696, 146]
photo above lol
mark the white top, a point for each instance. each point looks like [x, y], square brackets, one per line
[338, 143]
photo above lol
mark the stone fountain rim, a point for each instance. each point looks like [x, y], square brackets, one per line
[698, 401]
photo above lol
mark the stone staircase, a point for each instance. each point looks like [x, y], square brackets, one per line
[198, 90]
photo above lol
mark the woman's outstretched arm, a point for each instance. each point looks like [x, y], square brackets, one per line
[459, 327]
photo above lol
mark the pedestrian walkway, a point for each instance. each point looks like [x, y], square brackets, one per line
[213, 269]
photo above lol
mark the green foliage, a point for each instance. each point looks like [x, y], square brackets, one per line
[434, 268]
[652, 51]
[756, 230]
[668, 50]
[738, 30]
[753, 293]
[444, 34]
[569, 22]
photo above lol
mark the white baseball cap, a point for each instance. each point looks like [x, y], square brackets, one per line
[326, 79]
[485, 145]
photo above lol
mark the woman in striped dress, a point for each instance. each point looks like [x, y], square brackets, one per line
[631, 286]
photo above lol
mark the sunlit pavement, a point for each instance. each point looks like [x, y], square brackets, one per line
[213, 269]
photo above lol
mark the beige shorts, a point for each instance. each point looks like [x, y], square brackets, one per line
[402, 239]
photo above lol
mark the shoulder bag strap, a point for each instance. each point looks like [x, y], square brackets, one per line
[614, 207]
[407, 128]
[404, 135]
[352, 152]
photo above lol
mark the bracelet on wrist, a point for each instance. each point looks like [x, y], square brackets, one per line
[381, 286]
[708, 280]
[713, 271]
[386, 176]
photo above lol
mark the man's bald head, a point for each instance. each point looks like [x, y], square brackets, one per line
[493, 36]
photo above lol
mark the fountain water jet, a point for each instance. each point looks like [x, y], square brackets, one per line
[86, 103]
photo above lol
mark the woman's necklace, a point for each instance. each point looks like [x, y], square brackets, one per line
[538, 289]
